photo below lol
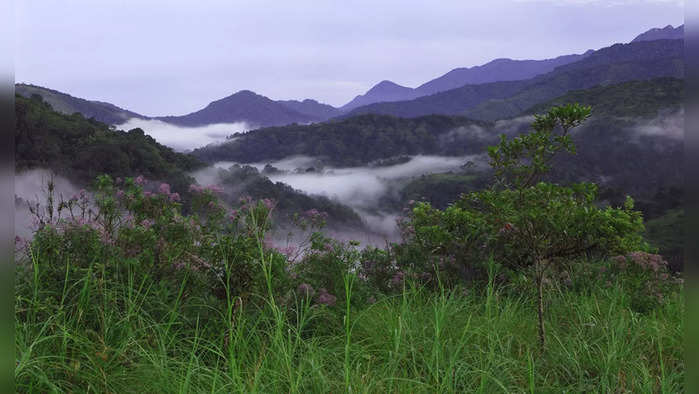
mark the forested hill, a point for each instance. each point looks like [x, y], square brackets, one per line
[81, 149]
[67, 104]
[349, 142]
[628, 99]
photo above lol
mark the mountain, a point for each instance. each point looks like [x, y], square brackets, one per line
[81, 149]
[311, 108]
[496, 100]
[494, 71]
[67, 104]
[666, 33]
[619, 63]
[384, 91]
[356, 141]
[627, 99]
[243, 106]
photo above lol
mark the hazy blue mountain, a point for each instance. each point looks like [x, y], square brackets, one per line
[496, 100]
[494, 71]
[312, 108]
[243, 106]
[666, 33]
[384, 91]
[619, 63]
[67, 104]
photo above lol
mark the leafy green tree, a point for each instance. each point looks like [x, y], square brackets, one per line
[525, 224]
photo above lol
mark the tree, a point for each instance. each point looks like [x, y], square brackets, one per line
[525, 223]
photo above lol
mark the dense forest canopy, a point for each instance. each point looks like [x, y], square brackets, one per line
[350, 142]
[81, 149]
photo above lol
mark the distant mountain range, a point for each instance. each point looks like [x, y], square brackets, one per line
[243, 106]
[618, 63]
[497, 89]
[494, 71]
[364, 138]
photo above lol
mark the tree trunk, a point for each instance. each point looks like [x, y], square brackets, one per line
[540, 291]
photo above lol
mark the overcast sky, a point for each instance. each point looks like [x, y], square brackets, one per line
[173, 57]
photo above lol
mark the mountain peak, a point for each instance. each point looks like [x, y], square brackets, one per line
[387, 86]
[666, 33]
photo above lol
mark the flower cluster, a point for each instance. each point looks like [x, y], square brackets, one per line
[325, 298]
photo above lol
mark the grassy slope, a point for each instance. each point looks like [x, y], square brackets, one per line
[110, 335]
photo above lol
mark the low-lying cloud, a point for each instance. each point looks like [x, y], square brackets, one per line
[185, 138]
[31, 187]
[670, 125]
[360, 188]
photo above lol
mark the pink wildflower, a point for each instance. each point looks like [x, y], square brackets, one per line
[215, 189]
[306, 290]
[164, 188]
[268, 203]
[325, 298]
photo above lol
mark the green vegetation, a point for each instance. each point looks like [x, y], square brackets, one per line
[244, 181]
[667, 234]
[351, 142]
[526, 222]
[628, 99]
[440, 190]
[68, 105]
[122, 291]
[81, 149]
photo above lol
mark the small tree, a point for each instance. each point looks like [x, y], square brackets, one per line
[526, 223]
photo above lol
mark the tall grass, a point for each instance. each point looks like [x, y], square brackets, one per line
[120, 334]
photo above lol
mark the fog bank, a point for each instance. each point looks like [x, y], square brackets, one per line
[185, 138]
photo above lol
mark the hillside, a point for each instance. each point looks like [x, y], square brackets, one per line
[494, 71]
[618, 63]
[311, 108]
[81, 149]
[628, 99]
[243, 106]
[384, 91]
[666, 33]
[349, 142]
[67, 104]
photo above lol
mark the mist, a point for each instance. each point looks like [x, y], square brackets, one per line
[184, 139]
[360, 188]
[31, 186]
[666, 124]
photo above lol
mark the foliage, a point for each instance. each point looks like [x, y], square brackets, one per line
[207, 253]
[246, 181]
[522, 222]
[120, 290]
[667, 233]
[81, 149]
[627, 99]
[68, 105]
[350, 142]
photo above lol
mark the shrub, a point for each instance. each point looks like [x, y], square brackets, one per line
[527, 225]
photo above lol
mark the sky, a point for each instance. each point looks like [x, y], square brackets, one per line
[173, 57]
